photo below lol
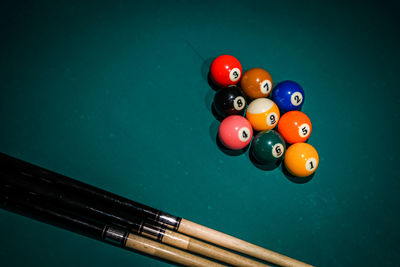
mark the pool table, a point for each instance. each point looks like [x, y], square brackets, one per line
[116, 94]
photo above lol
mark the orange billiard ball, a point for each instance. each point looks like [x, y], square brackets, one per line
[301, 159]
[295, 127]
[256, 83]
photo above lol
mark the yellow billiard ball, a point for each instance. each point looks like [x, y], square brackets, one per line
[301, 159]
[263, 114]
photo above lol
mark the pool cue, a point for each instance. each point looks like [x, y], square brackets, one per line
[74, 202]
[23, 204]
[127, 208]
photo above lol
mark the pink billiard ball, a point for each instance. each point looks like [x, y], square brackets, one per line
[235, 132]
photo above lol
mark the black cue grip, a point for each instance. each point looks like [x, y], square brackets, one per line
[25, 205]
[126, 207]
[12, 199]
[69, 201]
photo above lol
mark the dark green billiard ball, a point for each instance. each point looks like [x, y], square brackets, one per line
[268, 147]
[229, 101]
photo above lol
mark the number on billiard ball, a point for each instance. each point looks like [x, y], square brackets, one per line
[244, 134]
[271, 120]
[310, 164]
[234, 74]
[277, 150]
[296, 99]
[266, 87]
[304, 130]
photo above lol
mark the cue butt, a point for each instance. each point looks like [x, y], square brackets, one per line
[202, 248]
[166, 252]
[22, 203]
[233, 243]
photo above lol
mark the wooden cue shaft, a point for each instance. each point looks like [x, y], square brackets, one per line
[127, 208]
[73, 202]
[227, 241]
[166, 252]
[26, 206]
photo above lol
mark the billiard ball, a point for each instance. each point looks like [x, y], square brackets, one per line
[295, 127]
[235, 132]
[256, 83]
[268, 147]
[301, 159]
[229, 101]
[225, 70]
[288, 95]
[263, 114]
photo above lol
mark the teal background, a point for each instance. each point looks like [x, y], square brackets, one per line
[115, 94]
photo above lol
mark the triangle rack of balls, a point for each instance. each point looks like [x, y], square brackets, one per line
[247, 104]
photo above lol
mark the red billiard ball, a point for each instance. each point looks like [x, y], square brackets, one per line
[225, 70]
[235, 132]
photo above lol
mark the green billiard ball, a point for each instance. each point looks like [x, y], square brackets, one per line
[268, 147]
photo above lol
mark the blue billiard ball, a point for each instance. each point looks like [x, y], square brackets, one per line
[288, 95]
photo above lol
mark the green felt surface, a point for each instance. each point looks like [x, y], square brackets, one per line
[115, 94]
